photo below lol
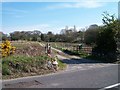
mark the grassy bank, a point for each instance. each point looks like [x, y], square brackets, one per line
[28, 60]
[22, 66]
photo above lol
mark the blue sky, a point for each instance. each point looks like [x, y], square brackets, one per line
[53, 16]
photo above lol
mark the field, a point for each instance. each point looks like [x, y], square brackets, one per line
[62, 45]
[72, 48]
[29, 59]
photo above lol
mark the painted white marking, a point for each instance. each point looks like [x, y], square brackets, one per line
[55, 84]
[111, 86]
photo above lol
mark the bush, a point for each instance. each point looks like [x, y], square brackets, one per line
[6, 48]
[5, 70]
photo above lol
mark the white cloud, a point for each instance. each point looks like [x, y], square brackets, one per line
[44, 28]
[17, 13]
[14, 10]
[82, 4]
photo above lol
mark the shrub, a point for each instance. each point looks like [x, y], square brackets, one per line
[6, 48]
[5, 70]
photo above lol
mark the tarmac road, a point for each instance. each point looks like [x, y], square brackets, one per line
[82, 77]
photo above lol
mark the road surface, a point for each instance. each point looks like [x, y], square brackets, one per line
[80, 73]
[75, 76]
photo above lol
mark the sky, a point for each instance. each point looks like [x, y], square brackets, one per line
[53, 16]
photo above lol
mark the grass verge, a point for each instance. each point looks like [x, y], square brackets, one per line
[21, 66]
